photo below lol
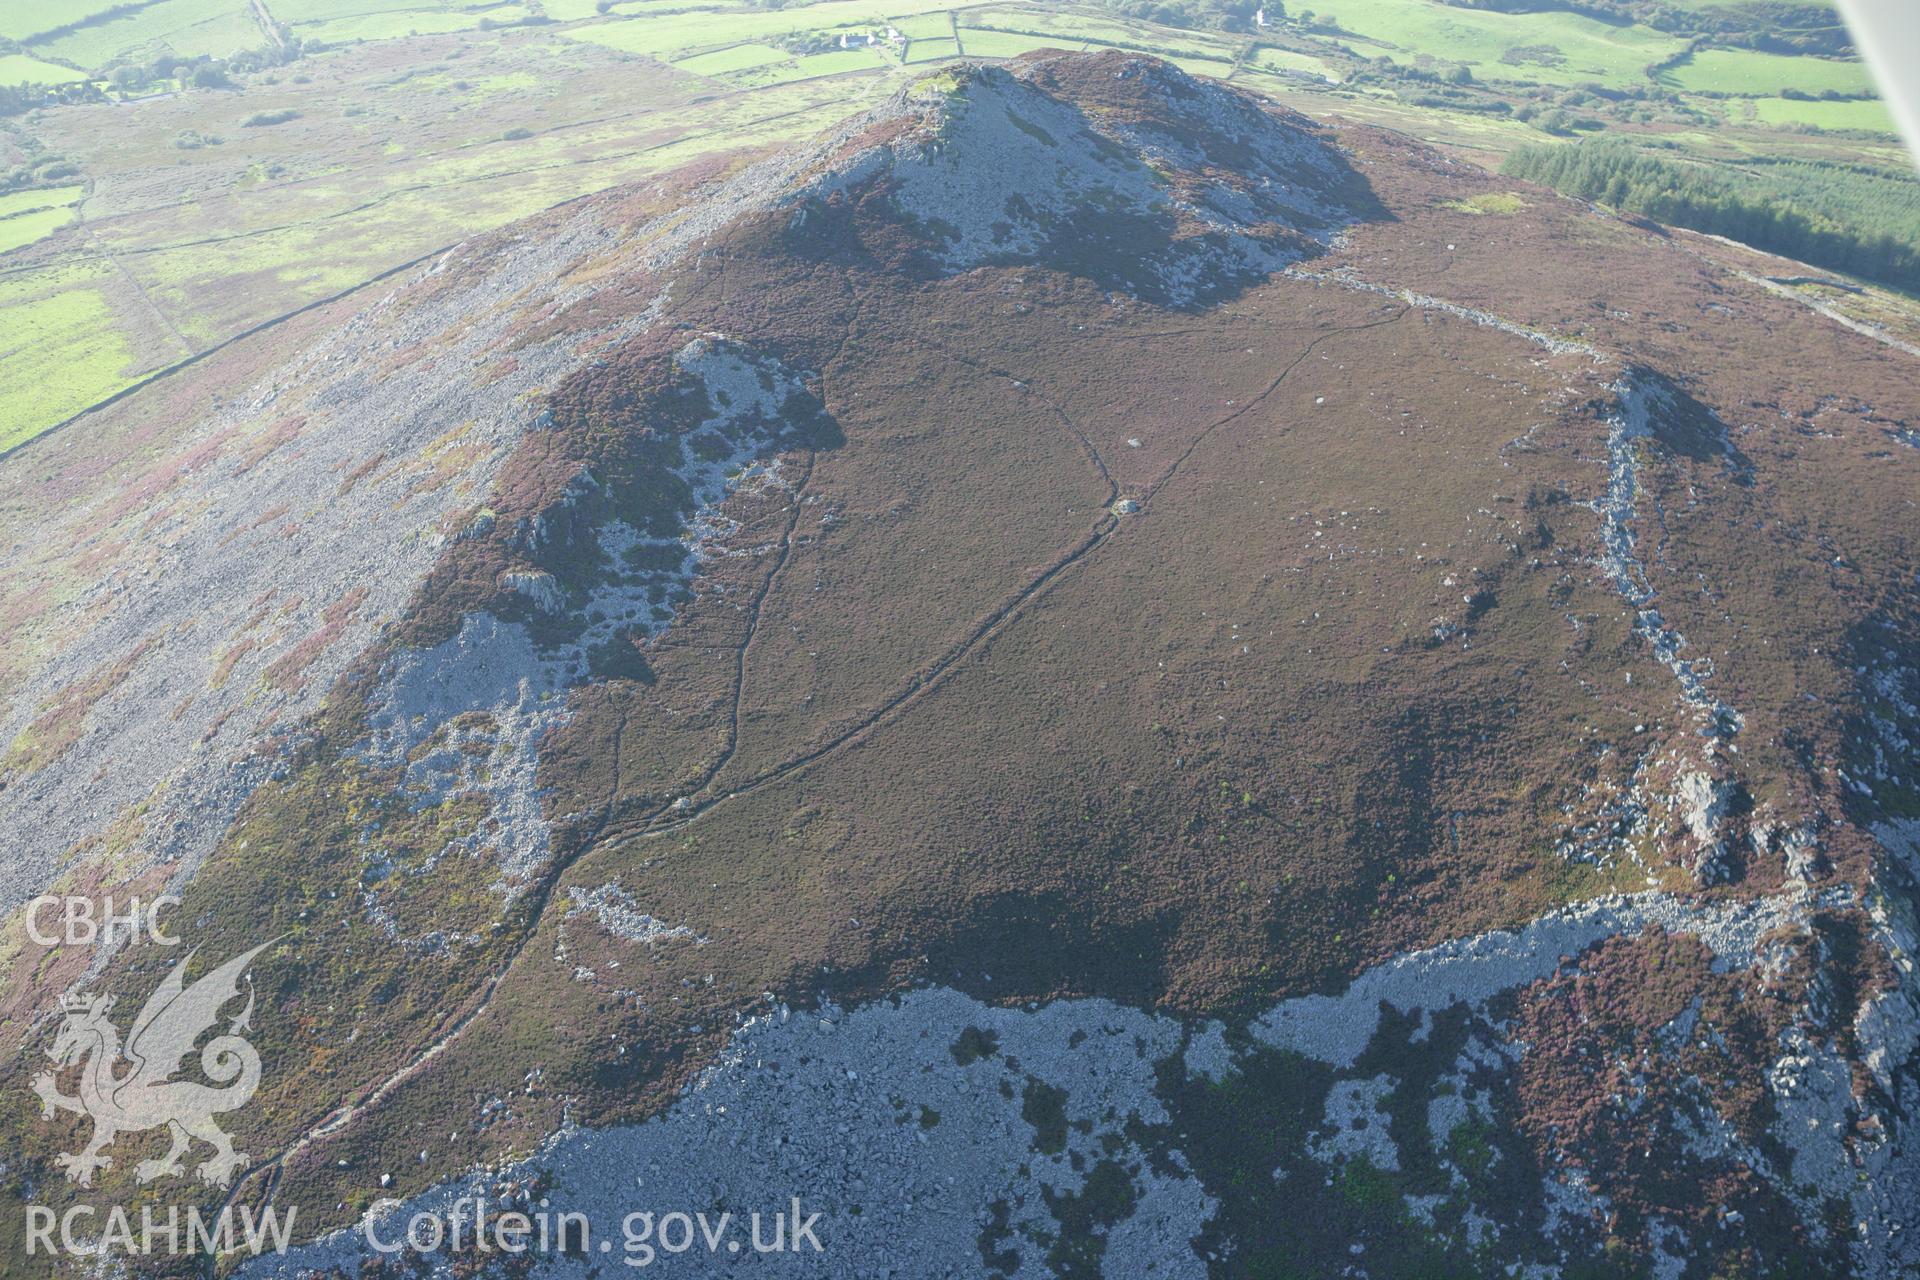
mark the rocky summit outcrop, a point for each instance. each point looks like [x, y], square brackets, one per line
[1088, 674]
[1118, 168]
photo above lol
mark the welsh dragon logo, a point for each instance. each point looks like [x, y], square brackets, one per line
[142, 1095]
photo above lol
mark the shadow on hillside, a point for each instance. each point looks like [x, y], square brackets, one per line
[1689, 428]
[1045, 944]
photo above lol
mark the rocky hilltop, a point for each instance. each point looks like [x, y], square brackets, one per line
[1090, 674]
[1125, 171]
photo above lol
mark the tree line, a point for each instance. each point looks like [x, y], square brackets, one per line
[1832, 216]
[163, 72]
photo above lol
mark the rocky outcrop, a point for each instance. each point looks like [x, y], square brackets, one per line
[1117, 167]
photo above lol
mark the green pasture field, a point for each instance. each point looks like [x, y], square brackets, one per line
[27, 216]
[739, 57]
[1592, 51]
[933, 50]
[839, 61]
[926, 26]
[1744, 71]
[1213, 68]
[18, 202]
[981, 43]
[216, 28]
[1268, 58]
[832, 63]
[22, 18]
[1867, 114]
[59, 352]
[350, 20]
[25, 228]
[18, 68]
